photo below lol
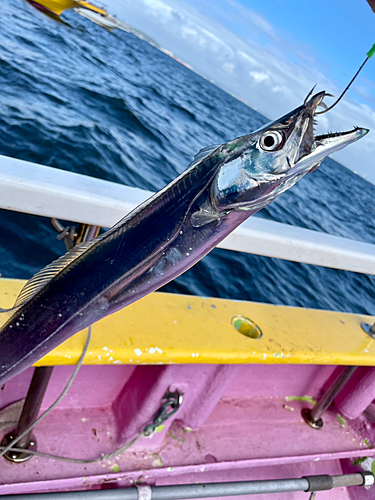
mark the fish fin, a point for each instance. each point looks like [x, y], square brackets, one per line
[203, 153]
[203, 217]
[45, 275]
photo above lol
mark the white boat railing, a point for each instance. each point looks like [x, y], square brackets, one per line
[46, 191]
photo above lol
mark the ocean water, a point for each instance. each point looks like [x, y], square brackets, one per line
[78, 98]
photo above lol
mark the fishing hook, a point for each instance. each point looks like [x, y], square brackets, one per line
[345, 90]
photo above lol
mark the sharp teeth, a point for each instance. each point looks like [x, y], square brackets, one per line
[333, 134]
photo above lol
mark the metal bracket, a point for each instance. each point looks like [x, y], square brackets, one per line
[313, 417]
[307, 417]
[144, 492]
[369, 329]
[171, 402]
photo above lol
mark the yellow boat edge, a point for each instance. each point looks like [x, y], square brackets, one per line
[167, 328]
[90, 6]
[57, 7]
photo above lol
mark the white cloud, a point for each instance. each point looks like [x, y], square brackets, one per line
[259, 76]
[185, 32]
[261, 23]
[249, 59]
[240, 12]
[228, 67]
[280, 74]
[157, 8]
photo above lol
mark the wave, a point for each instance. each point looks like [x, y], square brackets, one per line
[112, 106]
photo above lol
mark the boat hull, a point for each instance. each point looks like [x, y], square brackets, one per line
[53, 7]
[57, 7]
[103, 22]
[236, 422]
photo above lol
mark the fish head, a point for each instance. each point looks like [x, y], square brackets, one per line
[262, 165]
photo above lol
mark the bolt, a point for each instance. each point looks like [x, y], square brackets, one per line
[369, 329]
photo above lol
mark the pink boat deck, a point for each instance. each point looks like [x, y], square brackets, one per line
[236, 422]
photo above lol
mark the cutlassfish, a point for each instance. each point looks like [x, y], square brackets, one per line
[165, 235]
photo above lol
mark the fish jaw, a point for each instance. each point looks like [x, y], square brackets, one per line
[273, 158]
[327, 144]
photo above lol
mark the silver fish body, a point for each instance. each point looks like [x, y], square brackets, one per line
[164, 236]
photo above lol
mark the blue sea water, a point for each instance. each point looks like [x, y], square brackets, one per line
[76, 97]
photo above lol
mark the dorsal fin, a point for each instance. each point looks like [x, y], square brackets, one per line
[203, 153]
[45, 275]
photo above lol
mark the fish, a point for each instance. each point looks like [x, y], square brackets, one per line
[165, 235]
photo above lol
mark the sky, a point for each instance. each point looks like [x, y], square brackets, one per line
[271, 53]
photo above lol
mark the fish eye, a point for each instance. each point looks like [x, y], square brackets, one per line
[271, 140]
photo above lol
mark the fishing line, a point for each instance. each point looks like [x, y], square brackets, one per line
[104, 456]
[370, 53]
[10, 446]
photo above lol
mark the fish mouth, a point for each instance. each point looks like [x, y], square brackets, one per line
[331, 135]
[313, 149]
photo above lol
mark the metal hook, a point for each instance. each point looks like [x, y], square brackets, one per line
[171, 402]
[344, 92]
